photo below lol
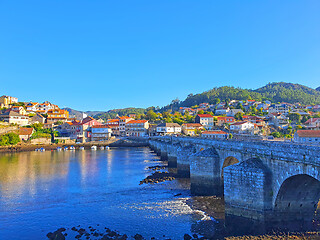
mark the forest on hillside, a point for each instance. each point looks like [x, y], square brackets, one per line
[274, 92]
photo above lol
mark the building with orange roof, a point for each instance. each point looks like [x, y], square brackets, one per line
[100, 132]
[25, 133]
[55, 115]
[137, 128]
[122, 124]
[307, 136]
[218, 134]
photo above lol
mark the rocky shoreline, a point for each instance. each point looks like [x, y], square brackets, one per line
[105, 234]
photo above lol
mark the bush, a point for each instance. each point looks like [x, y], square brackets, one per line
[9, 139]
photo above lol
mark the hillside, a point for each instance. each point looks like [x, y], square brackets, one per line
[275, 92]
[318, 89]
[121, 112]
[289, 92]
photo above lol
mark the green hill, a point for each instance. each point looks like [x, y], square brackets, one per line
[274, 92]
[289, 92]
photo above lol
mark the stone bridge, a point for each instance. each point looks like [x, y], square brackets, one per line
[261, 181]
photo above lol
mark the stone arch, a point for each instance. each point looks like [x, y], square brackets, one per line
[228, 161]
[297, 202]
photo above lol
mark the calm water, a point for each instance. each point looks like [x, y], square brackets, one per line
[42, 191]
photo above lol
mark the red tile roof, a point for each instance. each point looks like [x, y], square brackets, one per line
[100, 126]
[309, 133]
[214, 132]
[137, 121]
[205, 115]
[25, 131]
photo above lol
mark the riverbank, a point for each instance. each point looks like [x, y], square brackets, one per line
[24, 147]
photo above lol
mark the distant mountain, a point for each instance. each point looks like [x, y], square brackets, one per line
[318, 89]
[275, 92]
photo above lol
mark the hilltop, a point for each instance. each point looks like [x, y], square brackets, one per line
[274, 92]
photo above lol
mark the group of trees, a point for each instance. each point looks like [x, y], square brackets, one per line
[9, 139]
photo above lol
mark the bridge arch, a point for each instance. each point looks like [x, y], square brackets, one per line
[228, 161]
[297, 201]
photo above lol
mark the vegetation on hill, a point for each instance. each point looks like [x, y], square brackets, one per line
[121, 112]
[9, 139]
[289, 92]
[274, 92]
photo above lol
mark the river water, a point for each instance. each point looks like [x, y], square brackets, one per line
[43, 191]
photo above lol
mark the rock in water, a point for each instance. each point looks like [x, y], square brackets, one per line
[187, 237]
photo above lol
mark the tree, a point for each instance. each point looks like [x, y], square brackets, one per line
[151, 115]
[238, 116]
[9, 139]
[230, 136]
[296, 117]
[201, 112]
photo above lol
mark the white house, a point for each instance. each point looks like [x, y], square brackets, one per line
[244, 126]
[14, 118]
[307, 136]
[206, 120]
[222, 111]
[100, 132]
[168, 128]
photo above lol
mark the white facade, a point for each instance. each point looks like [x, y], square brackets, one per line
[242, 126]
[168, 128]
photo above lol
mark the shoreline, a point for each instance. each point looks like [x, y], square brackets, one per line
[53, 146]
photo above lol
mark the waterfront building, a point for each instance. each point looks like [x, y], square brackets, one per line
[100, 132]
[122, 124]
[25, 133]
[114, 125]
[168, 128]
[137, 128]
[307, 136]
[13, 117]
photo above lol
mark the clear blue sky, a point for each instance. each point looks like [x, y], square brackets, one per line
[99, 55]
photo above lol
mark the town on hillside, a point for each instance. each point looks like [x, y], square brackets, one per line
[45, 122]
